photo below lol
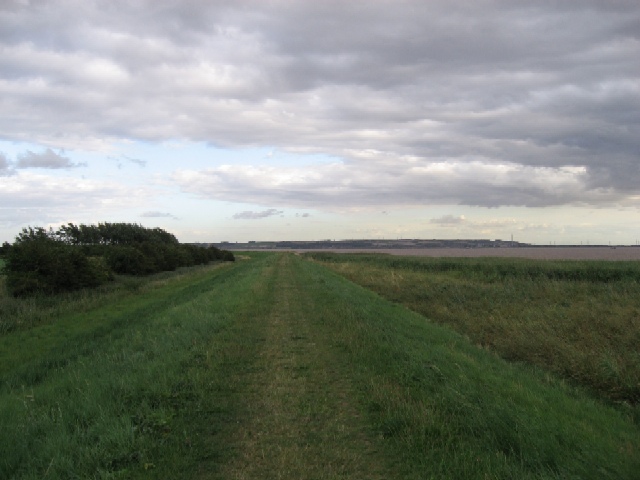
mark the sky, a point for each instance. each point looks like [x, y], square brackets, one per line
[311, 120]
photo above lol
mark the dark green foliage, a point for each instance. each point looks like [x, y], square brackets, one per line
[4, 249]
[113, 234]
[100, 269]
[38, 263]
[126, 260]
[228, 256]
[81, 256]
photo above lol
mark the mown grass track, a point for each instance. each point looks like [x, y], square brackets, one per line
[301, 419]
[277, 368]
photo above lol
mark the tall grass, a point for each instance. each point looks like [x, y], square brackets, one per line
[580, 320]
[450, 410]
[27, 312]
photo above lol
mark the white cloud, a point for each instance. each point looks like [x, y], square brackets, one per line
[36, 197]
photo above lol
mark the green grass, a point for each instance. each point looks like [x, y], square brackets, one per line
[452, 410]
[119, 392]
[275, 367]
[25, 313]
[580, 320]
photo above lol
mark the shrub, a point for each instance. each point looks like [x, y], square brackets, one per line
[75, 257]
[126, 260]
[100, 269]
[43, 265]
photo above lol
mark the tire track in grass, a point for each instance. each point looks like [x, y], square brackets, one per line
[300, 419]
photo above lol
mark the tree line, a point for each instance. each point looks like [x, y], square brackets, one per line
[81, 256]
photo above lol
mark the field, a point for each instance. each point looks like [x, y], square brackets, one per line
[278, 367]
[625, 253]
[577, 319]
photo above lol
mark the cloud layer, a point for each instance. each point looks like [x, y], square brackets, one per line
[486, 103]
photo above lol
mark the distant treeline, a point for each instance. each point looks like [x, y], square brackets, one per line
[81, 256]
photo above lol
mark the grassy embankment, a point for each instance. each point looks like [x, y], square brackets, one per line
[578, 319]
[277, 368]
[28, 312]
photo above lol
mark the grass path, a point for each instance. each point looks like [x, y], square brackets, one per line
[301, 419]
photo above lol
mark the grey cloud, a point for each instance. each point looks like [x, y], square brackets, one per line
[249, 215]
[46, 159]
[124, 158]
[156, 214]
[540, 88]
[136, 161]
[470, 182]
[4, 165]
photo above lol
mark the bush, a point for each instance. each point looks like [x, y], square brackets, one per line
[76, 257]
[126, 260]
[100, 269]
[43, 265]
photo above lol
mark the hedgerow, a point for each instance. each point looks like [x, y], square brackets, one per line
[84, 256]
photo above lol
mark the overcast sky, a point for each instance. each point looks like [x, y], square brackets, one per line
[301, 120]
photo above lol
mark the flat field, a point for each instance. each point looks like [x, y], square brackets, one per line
[626, 253]
[577, 319]
[277, 367]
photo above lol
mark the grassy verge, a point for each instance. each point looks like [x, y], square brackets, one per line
[125, 389]
[580, 320]
[276, 367]
[25, 313]
[450, 410]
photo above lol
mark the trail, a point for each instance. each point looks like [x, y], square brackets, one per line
[300, 418]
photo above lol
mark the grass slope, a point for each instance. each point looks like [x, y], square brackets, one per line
[277, 368]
